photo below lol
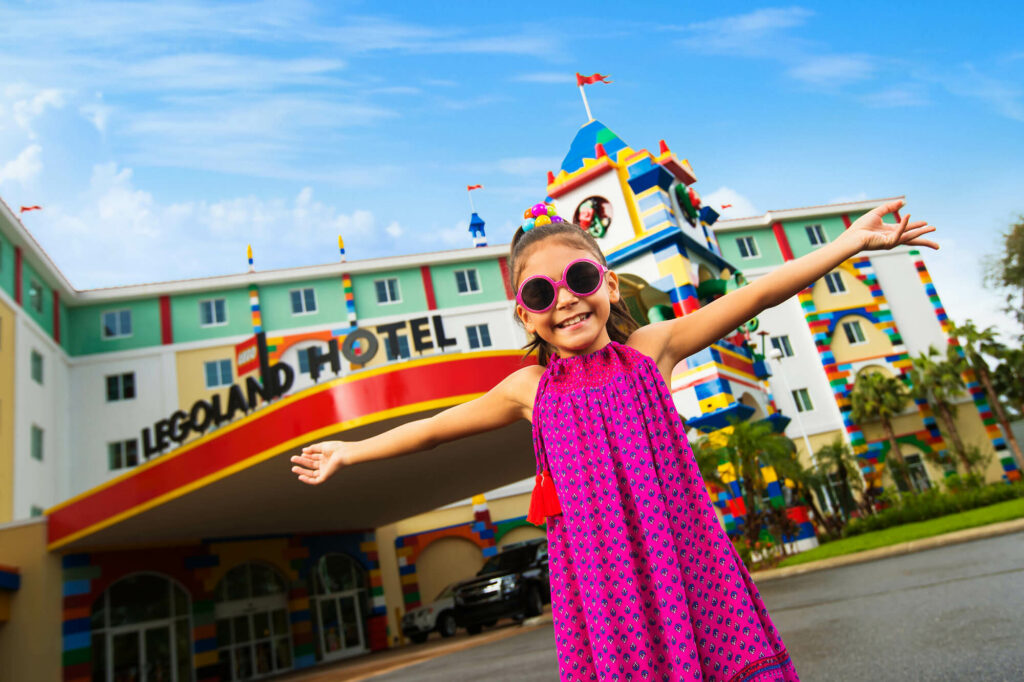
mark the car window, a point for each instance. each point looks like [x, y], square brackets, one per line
[508, 560]
[542, 551]
[446, 592]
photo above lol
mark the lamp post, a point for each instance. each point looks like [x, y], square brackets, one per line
[776, 355]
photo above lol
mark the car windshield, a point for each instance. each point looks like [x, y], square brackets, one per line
[508, 560]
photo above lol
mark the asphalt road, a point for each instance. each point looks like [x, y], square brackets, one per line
[955, 613]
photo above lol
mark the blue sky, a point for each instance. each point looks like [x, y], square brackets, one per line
[162, 138]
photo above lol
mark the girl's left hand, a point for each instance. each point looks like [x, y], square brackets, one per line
[872, 233]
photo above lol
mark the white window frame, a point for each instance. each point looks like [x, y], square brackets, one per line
[34, 355]
[465, 272]
[781, 342]
[302, 297]
[119, 376]
[397, 293]
[476, 330]
[851, 325]
[36, 303]
[835, 284]
[404, 350]
[123, 454]
[748, 243]
[816, 235]
[220, 373]
[32, 442]
[118, 334]
[802, 400]
[213, 312]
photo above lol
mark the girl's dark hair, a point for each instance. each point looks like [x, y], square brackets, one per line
[620, 323]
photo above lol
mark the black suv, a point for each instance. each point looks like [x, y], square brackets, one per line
[513, 583]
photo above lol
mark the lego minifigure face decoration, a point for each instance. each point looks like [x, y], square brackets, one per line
[594, 214]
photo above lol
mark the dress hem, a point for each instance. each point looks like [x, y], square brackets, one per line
[777, 666]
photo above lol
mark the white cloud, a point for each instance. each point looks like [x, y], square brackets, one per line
[737, 205]
[847, 198]
[28, 104]
[23, 168]
[905, 95]
[833, 70]
[116, 233]
[97, 114]
[1005, 98]
[744, 34]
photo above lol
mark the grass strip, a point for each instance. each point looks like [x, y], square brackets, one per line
[1002, 511]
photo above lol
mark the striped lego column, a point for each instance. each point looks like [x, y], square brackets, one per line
[483, 526]
[977, 392]
[673, 262]
[77, 574]
[254, 308]
[350, 299]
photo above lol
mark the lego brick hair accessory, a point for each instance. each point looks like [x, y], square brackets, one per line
[539, 215]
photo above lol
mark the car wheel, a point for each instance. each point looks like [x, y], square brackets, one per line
[534, 605]
[490, 623]
[474, 629]
[420, 638]
[447, 626]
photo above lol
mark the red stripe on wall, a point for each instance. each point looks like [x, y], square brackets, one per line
[503, 264]
[780, 237]
[846, 221]
[56, 316]
[428, 287]
[17, 275]
[358, 397]
[896, 215]
[166, 332]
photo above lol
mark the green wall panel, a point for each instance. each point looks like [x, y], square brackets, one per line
[87, 323]
[410, 283]
[276, 305]
[7, 266]
[45, 318]
[186, 323]
[766, 245]
[796, 232]
[446, 291]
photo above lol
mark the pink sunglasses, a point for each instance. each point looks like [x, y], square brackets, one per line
[582, 277]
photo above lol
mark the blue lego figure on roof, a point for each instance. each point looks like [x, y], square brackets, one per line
[476, 228]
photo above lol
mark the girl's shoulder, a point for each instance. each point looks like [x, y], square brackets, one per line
[523, 385]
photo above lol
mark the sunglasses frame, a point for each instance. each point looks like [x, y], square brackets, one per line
[601, 269]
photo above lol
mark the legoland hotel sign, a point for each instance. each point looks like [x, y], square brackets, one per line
[359, 347]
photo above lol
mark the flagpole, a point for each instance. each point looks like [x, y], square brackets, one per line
[590, 117]
[471, 206]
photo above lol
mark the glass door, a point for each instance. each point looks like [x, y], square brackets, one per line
[142, 655]
[254, 644]
[341, 628]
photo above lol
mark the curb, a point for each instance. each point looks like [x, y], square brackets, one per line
[934, 542]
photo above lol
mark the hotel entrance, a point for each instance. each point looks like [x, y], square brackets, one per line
[253, 635]
[341, 607]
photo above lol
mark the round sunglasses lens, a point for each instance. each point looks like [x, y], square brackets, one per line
[537, 293]
[583, 278]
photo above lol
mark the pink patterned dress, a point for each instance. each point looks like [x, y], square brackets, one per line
[645, 584]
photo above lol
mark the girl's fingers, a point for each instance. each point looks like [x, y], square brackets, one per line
[923, 242]
[309, 481]
[304, 472]
[889, 207]
[307, 462]
[914, 234]
[314, 448]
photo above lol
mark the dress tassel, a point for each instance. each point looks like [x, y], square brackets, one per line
[544, 500]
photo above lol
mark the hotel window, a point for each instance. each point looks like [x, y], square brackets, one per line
[479, 336]
[35, 511]
[123, 454]
[854, 334]
[37, 367]
[466, 281]
[803, 400]
[781, 343]
[37, 443]
[748, 247]
[815, 235]
[117, 324]
[403, 349]
[834, 282]
[213, 312]
[387, 290]
[35, 296]
[303, 301]
[120, 387]
[218, 373]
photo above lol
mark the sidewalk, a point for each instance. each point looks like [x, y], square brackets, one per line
[956, 537]
[380, 662]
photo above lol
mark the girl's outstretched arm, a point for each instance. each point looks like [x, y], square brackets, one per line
[670, 341]
[510, 400]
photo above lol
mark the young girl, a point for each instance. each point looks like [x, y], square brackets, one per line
[645, 583]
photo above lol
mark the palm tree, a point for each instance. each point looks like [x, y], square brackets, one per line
[837, 459]
[881, 397]
[1008, 377]
[975, 343]
[939, 382]
[750, 446]
[808, 482]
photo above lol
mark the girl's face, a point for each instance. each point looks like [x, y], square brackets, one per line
[575, 325]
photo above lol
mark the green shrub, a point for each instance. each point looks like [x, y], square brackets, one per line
[933, 503]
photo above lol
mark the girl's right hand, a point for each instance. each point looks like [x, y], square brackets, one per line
[319, 461]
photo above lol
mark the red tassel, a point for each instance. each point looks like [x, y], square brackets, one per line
[544, 500]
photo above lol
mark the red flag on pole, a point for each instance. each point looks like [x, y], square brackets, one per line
[30, 208]
[470, 188]
[725, 206]
[582, 80]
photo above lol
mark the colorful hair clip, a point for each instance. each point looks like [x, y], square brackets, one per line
[540, 215]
